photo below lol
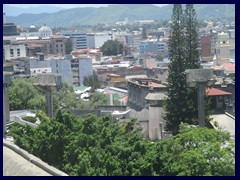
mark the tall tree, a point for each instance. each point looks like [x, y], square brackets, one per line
[181, 104]
[192, 61]
[68, 46]
[176, 102]
[191, 38]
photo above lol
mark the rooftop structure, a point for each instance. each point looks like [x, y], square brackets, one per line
[139, 88]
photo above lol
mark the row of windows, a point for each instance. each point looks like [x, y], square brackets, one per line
[12, 53]
[56, 45]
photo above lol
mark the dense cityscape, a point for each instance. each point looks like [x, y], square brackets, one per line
[107, 91]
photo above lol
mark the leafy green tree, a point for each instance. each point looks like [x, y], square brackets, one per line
[160, 57]
[99, 146]
[68, 46]
[112, 48]
[23, 95]
[198, 152]
[91, 81]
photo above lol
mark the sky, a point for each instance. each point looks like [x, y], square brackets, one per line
[67, 5]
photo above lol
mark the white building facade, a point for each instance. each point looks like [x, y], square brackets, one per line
[14, 52]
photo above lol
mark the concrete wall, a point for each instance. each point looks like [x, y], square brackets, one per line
[112, 108]
[155, 114]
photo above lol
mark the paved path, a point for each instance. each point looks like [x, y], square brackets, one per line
[225, 123]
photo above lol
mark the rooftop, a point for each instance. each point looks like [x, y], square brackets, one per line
[216, 92]
[18, 162]
[146, 82]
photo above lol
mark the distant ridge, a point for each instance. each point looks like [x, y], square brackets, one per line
[15, 11]
[114, 13]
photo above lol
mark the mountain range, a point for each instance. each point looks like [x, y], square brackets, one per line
[16, 11]
[114, 13]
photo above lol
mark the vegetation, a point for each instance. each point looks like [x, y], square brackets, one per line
[160, 57]
[181, 104]
[30, 119]
[23, 95]
[112, 48]
[91, 81]
[99, 146]
[68, 46]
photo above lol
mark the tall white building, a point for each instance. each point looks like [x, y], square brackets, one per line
[223, 48]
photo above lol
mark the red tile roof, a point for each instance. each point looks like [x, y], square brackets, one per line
[216, 92]
[124, 99]
[228, 66]
[153, 84]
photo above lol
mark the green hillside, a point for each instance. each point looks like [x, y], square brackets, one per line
[114, 13]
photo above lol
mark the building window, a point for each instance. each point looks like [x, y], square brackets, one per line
[11, 53]
[61, 45]
[57, 46]
[18, 52]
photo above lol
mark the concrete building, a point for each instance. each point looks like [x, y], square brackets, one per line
[34, 67]
[9, 29]
[81, 67]
[79, 39]
[51, 45]
[96, 40]
[139, 88]
[206, 48]
[63, 67]
[222, 49]
[152, 46]
[11, 52]
[133, 41]
[57, 45]
[59, 66]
